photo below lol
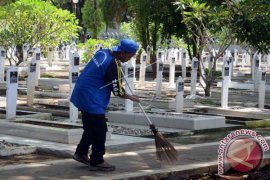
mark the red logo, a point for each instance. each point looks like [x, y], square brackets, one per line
[244, 154]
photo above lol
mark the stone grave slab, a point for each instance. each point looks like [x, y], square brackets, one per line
[169, 120]
[66, 133]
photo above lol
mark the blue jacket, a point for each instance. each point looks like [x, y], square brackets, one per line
[100, 77]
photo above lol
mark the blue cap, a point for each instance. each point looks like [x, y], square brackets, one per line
[126, 45]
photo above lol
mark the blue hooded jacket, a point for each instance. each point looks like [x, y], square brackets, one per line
[93, 88]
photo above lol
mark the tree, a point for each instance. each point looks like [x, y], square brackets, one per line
[219, 23]
[34, 22]
[208, 28]
[148, 16]
[251, 23]
[114, 12]
[92, 18]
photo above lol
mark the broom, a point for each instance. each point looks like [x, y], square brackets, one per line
[165, 151]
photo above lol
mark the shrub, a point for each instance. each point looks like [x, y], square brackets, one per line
[91, 44]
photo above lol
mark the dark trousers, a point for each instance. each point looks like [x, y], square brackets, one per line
[95, 128]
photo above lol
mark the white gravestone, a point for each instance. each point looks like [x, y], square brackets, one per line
[235, 55]
[25, 52]
[246, 59]
[73, 76]
[172, 72]
[142, 69]
[194, 70]
[180, 56]
[159, 77]
[160, 55]
[253, 62]
[32, 74]
[210, 62]
[228, 59]
[179, 95]
[37, 57]
[67, 51]
[148, 52]
[262, 90]
[184, 64]
[129, 77]
[60, 53]
[12, 86]
[50, 56]
[225, 84]
[55, 54]
[166, 52]
[64, 49]
[231, 68]
[133, 62]
[231, 60]
[256, 70]
[177, 55]
[268, 60]
[3, 55]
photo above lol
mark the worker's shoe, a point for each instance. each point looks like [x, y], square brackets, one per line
[101, 167]
[81, 158]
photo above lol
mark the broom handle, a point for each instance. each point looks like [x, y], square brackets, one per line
[148, 119]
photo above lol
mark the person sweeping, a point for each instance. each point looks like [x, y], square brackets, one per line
[91, 95]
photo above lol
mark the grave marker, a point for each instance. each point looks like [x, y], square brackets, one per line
[73, 76]
[268, 60]
[159, 77]
[148, 52]
[129, 77]
[256, 70]
[11, 92]
[262, 89]
[194, 70]
[142, 68]
[225, 84]
[184, 62]
[25, 52]
[234, 54]
[32, 74]
[172, 72]
[50, 56]
[179, 95]
[37, 56]
[2, 63]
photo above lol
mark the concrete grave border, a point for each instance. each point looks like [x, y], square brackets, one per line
[169, 120]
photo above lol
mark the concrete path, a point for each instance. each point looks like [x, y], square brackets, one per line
[135, 160]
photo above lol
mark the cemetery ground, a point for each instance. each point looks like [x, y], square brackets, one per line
[190, 145]
[131, 148]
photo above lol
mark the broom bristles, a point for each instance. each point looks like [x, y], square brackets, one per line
[165, 151]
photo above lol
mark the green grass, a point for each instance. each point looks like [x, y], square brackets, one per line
[258, 123]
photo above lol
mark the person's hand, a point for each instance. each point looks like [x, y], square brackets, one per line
[135, 98]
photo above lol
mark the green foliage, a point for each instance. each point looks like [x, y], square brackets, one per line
[113, 11]
[90, 45]
[258, 123]
[152, 20]
[212, 73]
[92, 18]
[35, 22]
[251, 23]
[128, 28]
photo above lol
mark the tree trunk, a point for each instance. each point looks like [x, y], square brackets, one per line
[207, 90]
[153, 61]
[19, 54]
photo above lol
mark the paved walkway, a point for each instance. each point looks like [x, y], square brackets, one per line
[132, 160]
